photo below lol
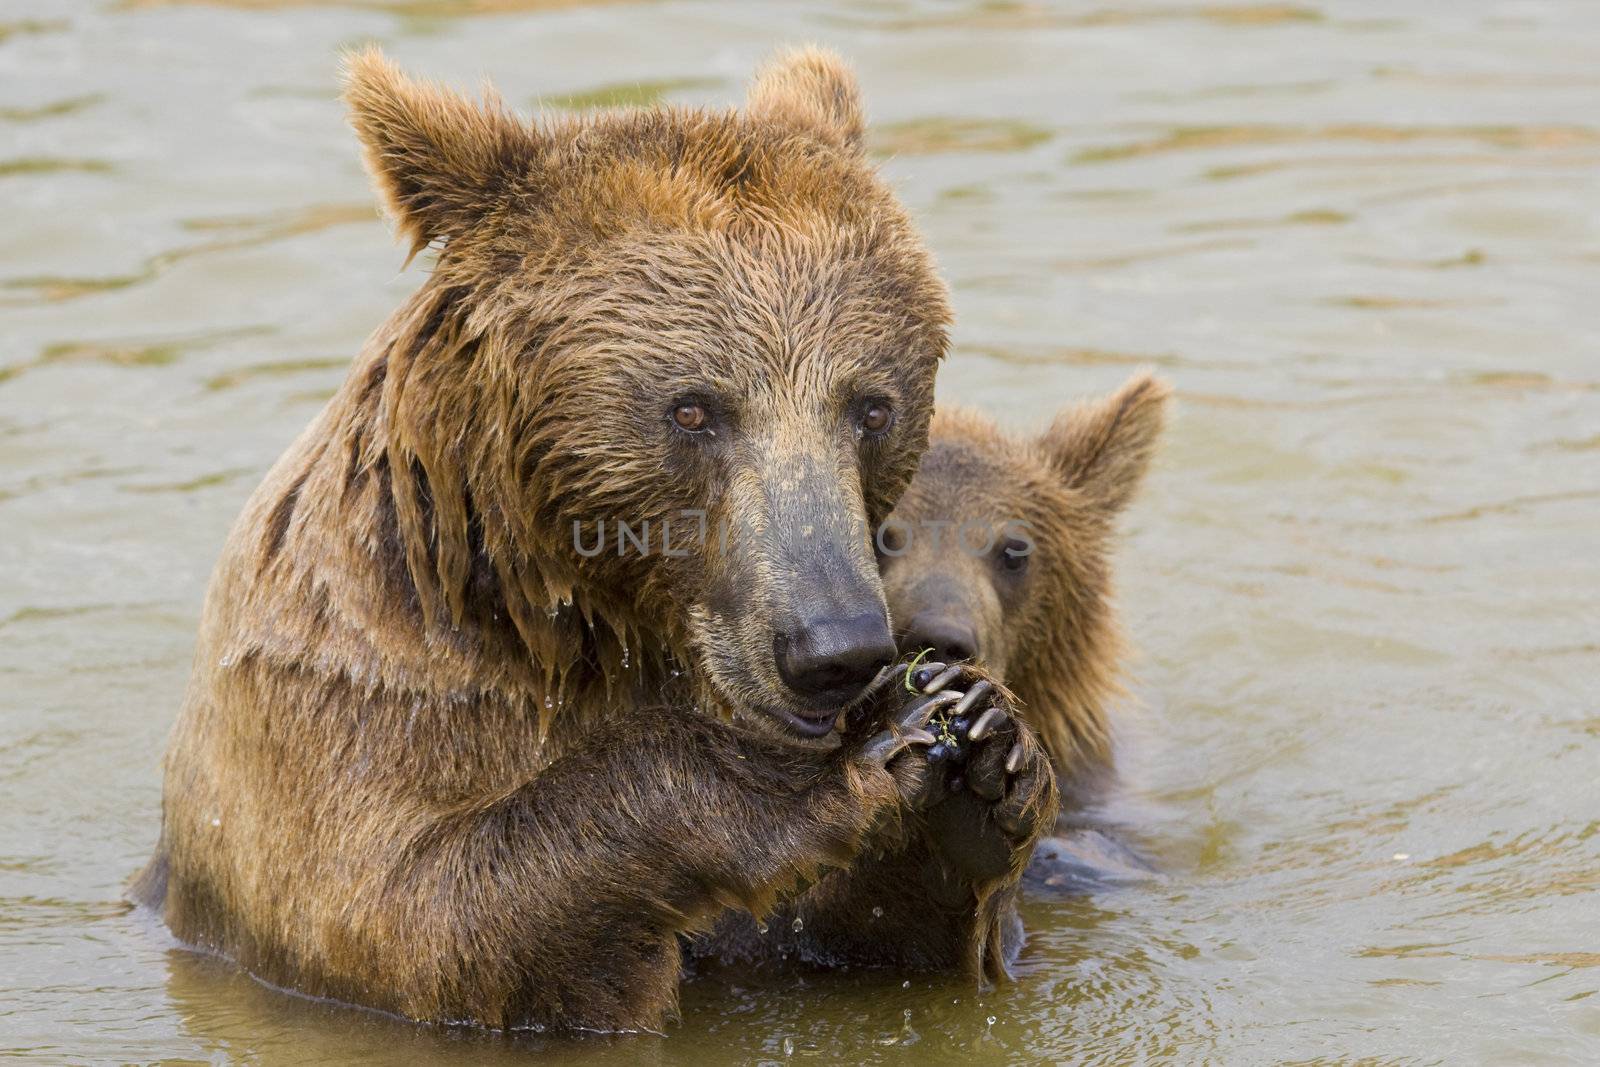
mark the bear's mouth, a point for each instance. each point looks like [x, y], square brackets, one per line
[814, 725]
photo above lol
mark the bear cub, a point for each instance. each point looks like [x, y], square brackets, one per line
[1000, 553]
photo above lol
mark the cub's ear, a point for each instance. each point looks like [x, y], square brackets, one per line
[1103, 448]
[440, 162]
[811, 90]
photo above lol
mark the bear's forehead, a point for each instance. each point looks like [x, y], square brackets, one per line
[707, 164]
[705, 210]
[965, 476]
[699, 304]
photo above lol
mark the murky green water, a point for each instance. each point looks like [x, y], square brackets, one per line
[1360, 237]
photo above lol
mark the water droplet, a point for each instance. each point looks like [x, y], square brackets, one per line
[906, 984]
[761, 927]
[877, 912]
[788, 1046]
[798, 924]
[990, 1020]
[907, 1013]
[548, 703]
[216, 822]
[1401, 857]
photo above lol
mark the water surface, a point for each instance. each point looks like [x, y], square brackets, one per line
[1361, 240]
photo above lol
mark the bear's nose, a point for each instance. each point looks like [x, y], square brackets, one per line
[828, 661]
[951, 639]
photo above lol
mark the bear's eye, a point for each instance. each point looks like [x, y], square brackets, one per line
[692, 416]
[1014, 555]
[877, 417]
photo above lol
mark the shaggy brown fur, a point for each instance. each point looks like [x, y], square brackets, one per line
[1046, 626]
[436, 760]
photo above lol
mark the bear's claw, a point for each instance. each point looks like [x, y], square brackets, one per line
[889, 744]
[974, 695]
[907, 730]
[942, 679]
[1014, 758]
[989, 720]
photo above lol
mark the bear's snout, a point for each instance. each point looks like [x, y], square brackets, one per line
[828, 660]
[951, 638]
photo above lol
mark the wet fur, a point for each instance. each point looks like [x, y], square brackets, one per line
[433, 761]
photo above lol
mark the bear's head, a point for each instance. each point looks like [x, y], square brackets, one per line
[1000, 552]
[671, 368]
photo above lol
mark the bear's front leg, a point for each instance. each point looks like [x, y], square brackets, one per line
[936, 888]
[558, 905]
[997, 794]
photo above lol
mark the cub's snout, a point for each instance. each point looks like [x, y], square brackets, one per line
[952, 636]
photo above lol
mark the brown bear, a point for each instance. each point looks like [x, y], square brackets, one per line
[999, 553]
[439, 755]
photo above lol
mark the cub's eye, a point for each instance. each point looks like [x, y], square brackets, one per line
[891, 539]
[877, 417]
[691, 416]
[1014, 555]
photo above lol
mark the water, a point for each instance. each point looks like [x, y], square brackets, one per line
[1360, 238]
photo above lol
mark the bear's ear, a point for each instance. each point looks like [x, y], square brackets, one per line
[1103, 448]
[441, 162]
[811, 90]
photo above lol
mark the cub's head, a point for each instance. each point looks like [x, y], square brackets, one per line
[670, 370]
[1000, 552]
